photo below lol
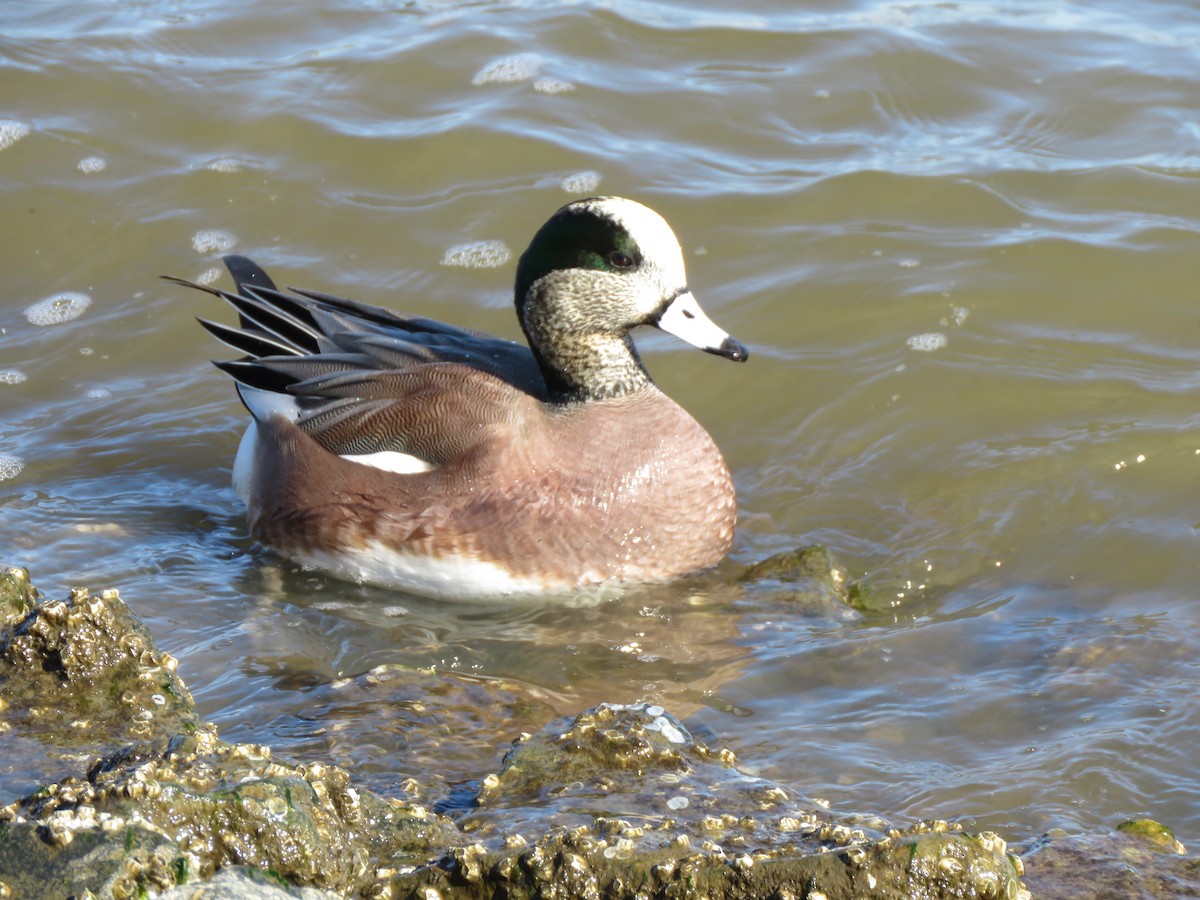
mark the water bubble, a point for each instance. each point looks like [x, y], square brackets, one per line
[928, 342]
[581, 182]
[478, 255]
[958, 315]
[98, 394]
[10, 467]
[208, 276]
[520, 67]
[58, 309]
[11, 132]
[909, 263]
[213, 241]
[552, 86]
[224, 165]
[91, 165]
[12, 376]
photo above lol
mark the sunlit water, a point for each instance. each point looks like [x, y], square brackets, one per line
[960, 241]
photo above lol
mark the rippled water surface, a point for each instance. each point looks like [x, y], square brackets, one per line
[960, 240]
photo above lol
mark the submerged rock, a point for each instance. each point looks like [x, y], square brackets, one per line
[1139, 859]
[809, 578]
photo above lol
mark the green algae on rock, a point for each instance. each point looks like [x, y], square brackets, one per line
[17, 595]
[1154, 833]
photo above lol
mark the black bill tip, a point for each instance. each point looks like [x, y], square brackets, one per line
[730, 349]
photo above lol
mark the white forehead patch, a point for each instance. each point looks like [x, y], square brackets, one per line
[650, 231]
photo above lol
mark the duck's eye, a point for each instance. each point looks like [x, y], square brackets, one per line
[620, 260]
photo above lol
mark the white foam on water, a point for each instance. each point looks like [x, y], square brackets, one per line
[478, 255]
[928, 342]
[11, 132]
[208, 276]
[224, 165]
[10, 467]
[552, 86]
[58, 309]
[98, 394]
[581, 183]
[213, 241]
[12, 376]
[507, 69]
[91, 165]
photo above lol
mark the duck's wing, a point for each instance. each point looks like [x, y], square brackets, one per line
[360, 379]
[334, 330]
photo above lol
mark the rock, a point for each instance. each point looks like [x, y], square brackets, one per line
[222, 805]
[66, 855]
[635, 805]
[1140, 859]
[810, 578]
[80, 677]
[619, 800]
[244, 883]
[85, 673]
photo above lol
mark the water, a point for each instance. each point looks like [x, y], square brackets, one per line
[959, 240]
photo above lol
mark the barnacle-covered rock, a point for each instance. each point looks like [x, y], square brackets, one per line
[622, 801]
[84, 674]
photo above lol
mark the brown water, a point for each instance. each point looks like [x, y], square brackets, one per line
[960, 241]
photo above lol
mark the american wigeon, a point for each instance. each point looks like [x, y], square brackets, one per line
[406, 452]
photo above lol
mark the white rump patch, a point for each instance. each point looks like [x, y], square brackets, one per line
[264, 404]
[243, 463]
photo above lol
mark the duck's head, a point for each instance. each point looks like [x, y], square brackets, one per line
[596, 270]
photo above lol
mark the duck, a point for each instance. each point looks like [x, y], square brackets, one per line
[431, 458]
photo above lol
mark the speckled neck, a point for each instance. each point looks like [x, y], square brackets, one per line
[579, 370]
[581, 343]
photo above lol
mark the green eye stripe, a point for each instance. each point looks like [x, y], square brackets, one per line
[574, 239]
